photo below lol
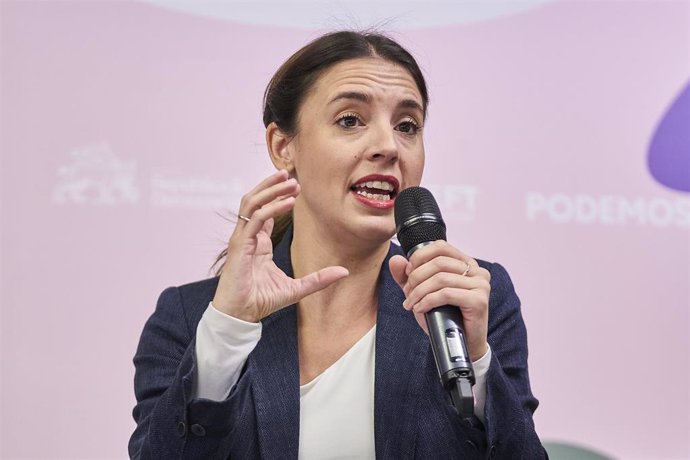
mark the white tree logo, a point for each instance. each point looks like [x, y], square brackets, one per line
[96, 176]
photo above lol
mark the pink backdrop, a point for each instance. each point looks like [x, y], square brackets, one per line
[128, 127]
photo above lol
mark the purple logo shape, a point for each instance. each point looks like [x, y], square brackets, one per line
[669, 152]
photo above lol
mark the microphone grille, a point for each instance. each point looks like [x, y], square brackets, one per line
[417, 218]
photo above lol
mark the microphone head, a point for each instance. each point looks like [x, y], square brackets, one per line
[417, 218]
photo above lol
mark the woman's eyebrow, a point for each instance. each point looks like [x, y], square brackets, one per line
[410, 104]
[357, 96]
[363, 97]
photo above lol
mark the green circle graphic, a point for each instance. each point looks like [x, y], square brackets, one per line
[563, 451]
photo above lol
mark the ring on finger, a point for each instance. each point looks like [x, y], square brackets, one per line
[467, 269]
[244, 218]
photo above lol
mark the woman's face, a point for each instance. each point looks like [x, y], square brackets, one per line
[359, 142]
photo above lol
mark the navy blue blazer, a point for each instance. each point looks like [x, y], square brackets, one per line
[260, 418]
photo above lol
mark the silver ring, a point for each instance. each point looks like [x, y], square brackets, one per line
[244, 218]
[467, 270]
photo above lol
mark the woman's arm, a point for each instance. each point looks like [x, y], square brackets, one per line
[170, 422]
[509, 400]
[164, 367]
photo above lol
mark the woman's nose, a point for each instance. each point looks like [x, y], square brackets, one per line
[383, 143]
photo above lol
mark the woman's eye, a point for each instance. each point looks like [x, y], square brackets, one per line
[349, 121]
[408, 127]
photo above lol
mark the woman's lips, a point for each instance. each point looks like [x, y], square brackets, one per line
[377, 191]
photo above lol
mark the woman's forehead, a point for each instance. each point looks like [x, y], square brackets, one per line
[370, 76]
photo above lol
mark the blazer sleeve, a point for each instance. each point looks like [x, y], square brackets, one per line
[509, 400]
[169, 423]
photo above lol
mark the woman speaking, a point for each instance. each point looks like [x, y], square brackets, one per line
[311, 343]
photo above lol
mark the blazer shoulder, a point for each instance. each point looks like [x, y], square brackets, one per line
[203, 288]
[192, 298]
[499, 275]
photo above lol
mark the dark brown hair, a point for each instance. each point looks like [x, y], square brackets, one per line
[289, 86]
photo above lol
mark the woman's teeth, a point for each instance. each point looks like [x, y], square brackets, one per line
[366, 188]
[381, 185]
[373, 196]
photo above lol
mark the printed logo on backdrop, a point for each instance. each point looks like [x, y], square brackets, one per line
[669, 150]
[95, 176]
[582, 208]
[177, 190]
[457, 202]
[669, 164]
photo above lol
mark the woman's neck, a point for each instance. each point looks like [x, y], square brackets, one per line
[350, 301]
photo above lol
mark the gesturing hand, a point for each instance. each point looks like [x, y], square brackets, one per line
[251, 286]
[439, 274]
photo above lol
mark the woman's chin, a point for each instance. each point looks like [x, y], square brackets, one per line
[376, 229]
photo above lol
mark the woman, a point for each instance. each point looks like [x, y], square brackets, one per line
[310, 348]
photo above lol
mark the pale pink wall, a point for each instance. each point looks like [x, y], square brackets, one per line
[126, 127]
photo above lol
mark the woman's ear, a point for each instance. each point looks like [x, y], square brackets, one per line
[278, 144]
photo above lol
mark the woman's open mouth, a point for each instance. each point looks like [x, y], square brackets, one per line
[377, 191]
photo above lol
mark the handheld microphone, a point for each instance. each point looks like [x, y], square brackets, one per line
[418, 223]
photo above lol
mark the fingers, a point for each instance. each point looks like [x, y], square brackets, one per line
[443, 288]
[440, 274]
[270, 198]
[256, 198]
[318, 280]
[261, 217]
[423, 300]
[398, 266]
[441, 264]
[441, 248]
[270, 189]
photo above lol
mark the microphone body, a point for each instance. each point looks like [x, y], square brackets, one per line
[418, 223]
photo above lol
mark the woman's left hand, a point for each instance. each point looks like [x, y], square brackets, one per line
[439, 274]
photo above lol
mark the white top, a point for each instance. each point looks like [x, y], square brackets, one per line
[336, 408]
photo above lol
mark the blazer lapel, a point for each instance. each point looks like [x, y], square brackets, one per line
[402, 349]
[401, 346]
[274, 365]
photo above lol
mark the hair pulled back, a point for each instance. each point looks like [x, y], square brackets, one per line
[289, 86]
[294, 79]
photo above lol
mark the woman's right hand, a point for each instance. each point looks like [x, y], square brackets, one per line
[251, 286]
